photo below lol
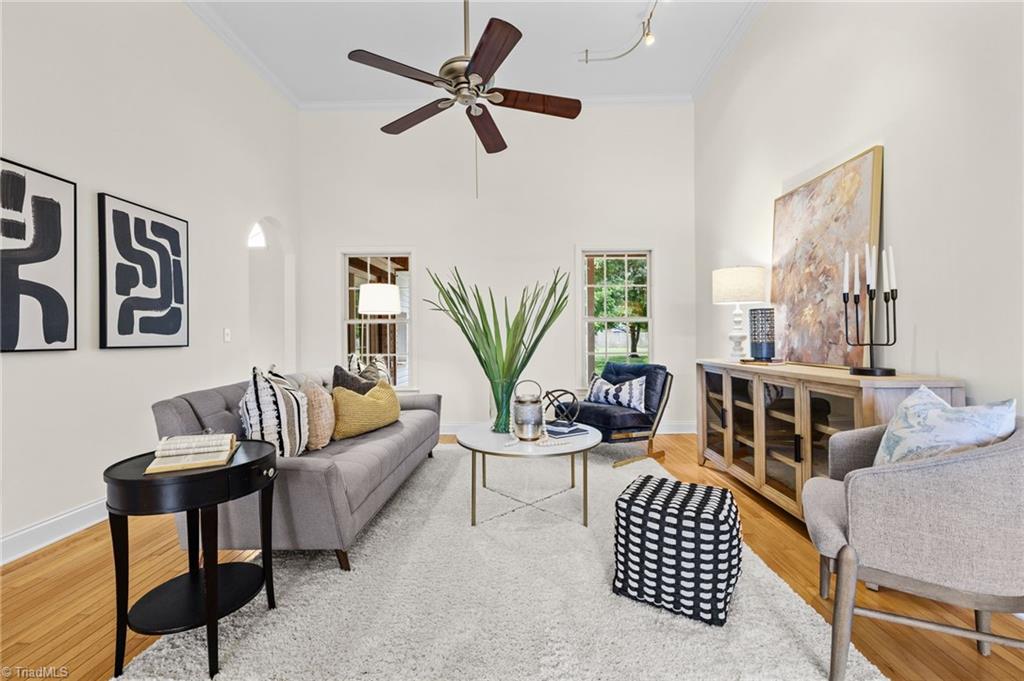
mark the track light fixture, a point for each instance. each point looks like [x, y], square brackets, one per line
[646, 37]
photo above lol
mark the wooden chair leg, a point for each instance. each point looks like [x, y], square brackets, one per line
[842, 611]
[343, 560]
[983, 623]
[824, 576]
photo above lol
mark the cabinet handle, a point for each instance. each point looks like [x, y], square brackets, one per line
[724, 410]
[797, 449]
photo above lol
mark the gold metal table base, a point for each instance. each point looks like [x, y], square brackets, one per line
[572, 484]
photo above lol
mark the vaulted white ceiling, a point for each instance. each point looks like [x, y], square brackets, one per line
[302, 47]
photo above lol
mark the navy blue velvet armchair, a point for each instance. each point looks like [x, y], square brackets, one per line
[621, 424]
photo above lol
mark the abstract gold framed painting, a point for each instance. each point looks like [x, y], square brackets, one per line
[815, 225]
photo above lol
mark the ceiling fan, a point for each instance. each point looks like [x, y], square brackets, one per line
[469, 79]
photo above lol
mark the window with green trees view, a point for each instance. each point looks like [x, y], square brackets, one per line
[616, 315]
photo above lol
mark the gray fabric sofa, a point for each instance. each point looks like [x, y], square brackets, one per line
[948, 528]
[322, 499]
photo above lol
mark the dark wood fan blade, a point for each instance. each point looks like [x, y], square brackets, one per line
[486, 130]
[416, 117]
[497, 41]
[538, 103]
[392, 66]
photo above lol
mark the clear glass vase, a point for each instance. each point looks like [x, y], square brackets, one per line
[501, 394]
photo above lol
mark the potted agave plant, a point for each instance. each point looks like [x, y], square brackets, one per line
[503, 346]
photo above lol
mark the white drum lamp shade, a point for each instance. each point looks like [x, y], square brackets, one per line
[738, 286]
[379, 299]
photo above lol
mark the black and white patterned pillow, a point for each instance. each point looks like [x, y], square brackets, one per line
[275, 410]
[629, 394]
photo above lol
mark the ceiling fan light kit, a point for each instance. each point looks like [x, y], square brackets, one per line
[469, 81]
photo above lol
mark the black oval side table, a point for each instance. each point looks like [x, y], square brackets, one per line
[202, 595]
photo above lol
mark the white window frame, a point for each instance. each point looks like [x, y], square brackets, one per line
[341, 306]
[581, 301]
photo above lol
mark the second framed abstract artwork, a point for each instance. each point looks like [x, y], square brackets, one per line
[143, 276]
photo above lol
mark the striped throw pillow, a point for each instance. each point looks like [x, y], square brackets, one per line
[629, 394]
[274, 410]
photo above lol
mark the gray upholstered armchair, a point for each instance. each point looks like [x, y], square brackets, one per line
[949, 528]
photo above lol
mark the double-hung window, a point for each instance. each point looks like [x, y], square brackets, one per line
[381, 339]
[617, 309]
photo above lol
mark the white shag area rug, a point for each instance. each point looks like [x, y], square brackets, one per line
[524, 595]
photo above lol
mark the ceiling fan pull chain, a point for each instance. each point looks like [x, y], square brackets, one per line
[476, 165]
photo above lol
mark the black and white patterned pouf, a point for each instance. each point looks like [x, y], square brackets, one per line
[677, 546]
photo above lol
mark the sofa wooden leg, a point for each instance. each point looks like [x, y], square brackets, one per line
[983, 623]
[842, 611]
[430, 454]
[343, 560]
[824, 576]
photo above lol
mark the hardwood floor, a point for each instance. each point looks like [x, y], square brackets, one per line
[57, 604]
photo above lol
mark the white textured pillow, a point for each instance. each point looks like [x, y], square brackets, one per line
[925, 426]
[629, 394]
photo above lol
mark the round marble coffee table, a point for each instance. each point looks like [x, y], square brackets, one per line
[480, 438]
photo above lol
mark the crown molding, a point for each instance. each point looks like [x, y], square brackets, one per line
[208, 16]
[738, 30]
[205, 12]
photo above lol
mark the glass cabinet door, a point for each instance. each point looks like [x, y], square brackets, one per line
[715, 414]
[740, 454]
[783, 443]
[830, 411]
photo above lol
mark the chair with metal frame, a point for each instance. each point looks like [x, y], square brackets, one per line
[621, 424]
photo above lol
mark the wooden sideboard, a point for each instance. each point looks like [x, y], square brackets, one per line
[768, 425]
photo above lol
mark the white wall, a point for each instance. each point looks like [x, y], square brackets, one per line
[143, 101]
[939, 85]
[616, 176]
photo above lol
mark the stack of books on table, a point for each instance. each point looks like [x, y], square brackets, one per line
[183, 452]
[563, 429]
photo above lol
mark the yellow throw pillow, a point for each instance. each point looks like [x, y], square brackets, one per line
[355, 414]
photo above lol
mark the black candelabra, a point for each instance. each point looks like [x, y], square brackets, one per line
[889, 300]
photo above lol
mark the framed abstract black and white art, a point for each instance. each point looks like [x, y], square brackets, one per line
[143, 276]
[38, 232]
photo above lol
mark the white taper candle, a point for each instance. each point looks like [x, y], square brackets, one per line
[874, 266]
[892, 269]
[867, 267]
[885, 271]
[856, 274]
[846, 272]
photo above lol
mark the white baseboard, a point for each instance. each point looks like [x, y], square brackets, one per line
[38, 535]
[452, 427]
[677, 427]
[667, 427]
